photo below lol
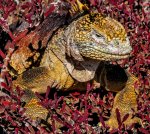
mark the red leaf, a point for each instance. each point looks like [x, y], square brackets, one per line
[12, 8]
[39, 96]
[47, 92]
[144, 131]
[50, 10]
[77, 129]
[2, 109]
[131, 1]
[55, 96]
[9, 45]
[75, 93]
[57, 119]
[31, 129]
[101, 102]
[147, 118]
[4, 85]
[16, 130]
[1, 65]
[118, 116]
[20, 36]
[102, 121]
[53, 126]
[58, 100]
[26, 5]
[125, 117]
[6, 103]
[113, 131]
[113, 2]
[10, 34]
[63, 107]
[2, 54]
[93, 2]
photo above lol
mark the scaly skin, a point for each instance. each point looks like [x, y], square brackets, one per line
[124, 101]
[73, 56]
[85, 42]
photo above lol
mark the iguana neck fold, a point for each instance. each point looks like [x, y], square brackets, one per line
[67, 52]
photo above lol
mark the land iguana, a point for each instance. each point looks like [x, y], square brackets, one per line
[73, 55]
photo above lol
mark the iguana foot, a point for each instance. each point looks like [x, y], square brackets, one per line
[126, 102]
[113, 123]
[34, 110]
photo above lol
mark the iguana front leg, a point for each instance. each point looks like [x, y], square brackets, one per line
[31, 81]
[52, 72]
[126, 102]
[116, 79]
[37, 80]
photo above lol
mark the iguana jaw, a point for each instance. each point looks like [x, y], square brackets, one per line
[105, 56]
[107, 52]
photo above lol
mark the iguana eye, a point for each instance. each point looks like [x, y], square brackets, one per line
[99, 35]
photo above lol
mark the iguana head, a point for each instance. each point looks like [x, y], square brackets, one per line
[88, 40]
[99, 37]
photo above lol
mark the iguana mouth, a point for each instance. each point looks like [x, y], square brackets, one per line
[118, 62]
[108, 57]
[107, 52]
[100, 55]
